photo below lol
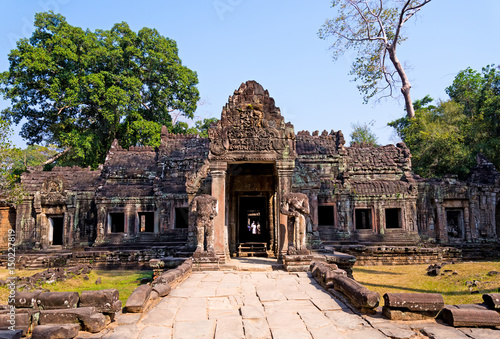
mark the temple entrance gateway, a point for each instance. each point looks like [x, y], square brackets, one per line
[56, 230]
[250, 208]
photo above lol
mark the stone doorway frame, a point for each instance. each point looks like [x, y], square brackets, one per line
[235, 236]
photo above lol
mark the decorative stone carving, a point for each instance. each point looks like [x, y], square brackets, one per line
[52, 186]
[206, 210]
[296, 205]
[251, 123]
[194, 179]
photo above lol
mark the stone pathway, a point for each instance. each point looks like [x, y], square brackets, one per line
[271, 304]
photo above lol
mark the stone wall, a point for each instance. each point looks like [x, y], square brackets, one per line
[7, 222]
[400, 255]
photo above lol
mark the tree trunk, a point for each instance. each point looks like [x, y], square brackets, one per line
[55, 157]
[405, 89]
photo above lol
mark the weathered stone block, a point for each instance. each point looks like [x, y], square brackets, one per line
[91, 320]
[414, 301]
[26, 299]
[106, 301]
[138, 299]
[22, 321]
[8, 334]
[64, 331]
[405, 315]
[492, 300]
[162, 289]
[359, 295]
[57, 300]
[463, 317]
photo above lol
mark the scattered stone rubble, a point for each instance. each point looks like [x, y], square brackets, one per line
[407, 306]
[61, 314]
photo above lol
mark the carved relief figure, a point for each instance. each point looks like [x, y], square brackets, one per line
[206, 210]
[296, 205]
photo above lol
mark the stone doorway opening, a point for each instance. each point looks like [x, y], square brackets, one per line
[253, 226]
[56, 231]
[455, 224]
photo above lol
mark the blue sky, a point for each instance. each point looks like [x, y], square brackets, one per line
[228, 42]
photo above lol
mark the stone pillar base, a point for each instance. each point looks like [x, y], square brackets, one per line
[297, 263]
[206, 261]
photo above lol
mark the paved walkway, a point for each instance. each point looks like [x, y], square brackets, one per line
[272, 304]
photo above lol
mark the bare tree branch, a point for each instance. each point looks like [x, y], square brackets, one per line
[359, 25]
[55, 157]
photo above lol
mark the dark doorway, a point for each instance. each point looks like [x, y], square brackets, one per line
[363, 219]
[253, 220]
[57, 223]
[146, 221]
[181, 217]
[393, 217]
[455, 223]
[117, 221]
[325, 216]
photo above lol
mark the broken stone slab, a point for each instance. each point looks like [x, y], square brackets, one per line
[138, 299]
[105, 301]
[162, 289]
[167, 277]
[26, 299]
[463, 317]
[359, 295]
[404, 315]
[470, 306]
[9, 334]
[57, 300]
[61, 331]
[91, 320]
[343, 261]
[21, 320]
[414, 301]
[492, 300]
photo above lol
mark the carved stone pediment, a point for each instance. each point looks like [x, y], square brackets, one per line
[251, 128]
[52, 186]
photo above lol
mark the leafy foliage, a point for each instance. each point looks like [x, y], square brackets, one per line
[10, 191]
[446, 138]
[373, 29]
[82, 89]
[362, 133]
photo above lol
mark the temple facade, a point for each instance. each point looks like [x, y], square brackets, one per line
[249, 163]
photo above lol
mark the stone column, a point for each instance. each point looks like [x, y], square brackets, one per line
[313, 206]
[441, 229]
[218, 171]
[467, 224]
[285, 172]
[192, 241]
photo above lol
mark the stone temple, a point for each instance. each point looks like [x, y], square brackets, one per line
[143, 196]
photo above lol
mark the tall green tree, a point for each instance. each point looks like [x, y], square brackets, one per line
[79, 89]
[446, 138]
[362, 133]
[10, 191]
[373, 29]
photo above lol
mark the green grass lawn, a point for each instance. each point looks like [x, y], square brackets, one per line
[414, 278]
[123, 280]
